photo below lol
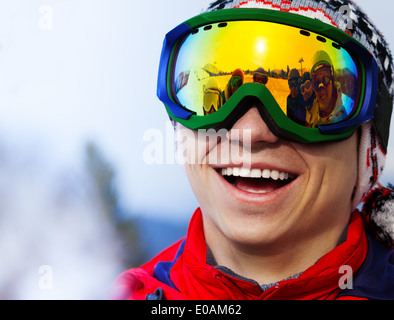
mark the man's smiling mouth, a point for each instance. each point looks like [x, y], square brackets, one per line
[257, 181]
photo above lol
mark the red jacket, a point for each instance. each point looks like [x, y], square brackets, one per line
[181, 273]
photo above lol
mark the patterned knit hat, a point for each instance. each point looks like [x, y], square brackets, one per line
[347, 16]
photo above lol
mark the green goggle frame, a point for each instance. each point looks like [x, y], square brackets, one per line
[257, 94]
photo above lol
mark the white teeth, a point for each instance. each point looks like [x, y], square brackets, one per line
[258, 192]
[245, 173]
[257, 173]
[266, 174]
[275, 175]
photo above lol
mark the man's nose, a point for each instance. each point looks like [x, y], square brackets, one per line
[259, 131]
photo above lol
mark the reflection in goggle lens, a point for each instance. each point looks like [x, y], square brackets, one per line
[282, 58]
[235, 82]
[293, 84]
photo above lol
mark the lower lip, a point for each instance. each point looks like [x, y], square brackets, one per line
[256, 198]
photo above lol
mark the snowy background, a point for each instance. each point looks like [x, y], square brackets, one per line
[77, 97]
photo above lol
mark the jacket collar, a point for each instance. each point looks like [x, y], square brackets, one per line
[195, 279]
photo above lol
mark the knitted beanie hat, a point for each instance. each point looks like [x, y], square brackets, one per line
[347, 16]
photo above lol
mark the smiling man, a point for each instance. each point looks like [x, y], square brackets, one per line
[279, 200]
[330, 104]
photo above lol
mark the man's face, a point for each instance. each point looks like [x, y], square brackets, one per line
[235, 83]
[314, 197]
[293, 86]
[322, 84]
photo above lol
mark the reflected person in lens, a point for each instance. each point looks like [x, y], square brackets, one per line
[330, 102]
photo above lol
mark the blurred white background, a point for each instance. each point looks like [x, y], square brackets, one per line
[74, 74]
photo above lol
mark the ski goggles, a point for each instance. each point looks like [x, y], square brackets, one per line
[241, 58]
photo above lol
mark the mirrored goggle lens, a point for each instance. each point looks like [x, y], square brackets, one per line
[312, 79]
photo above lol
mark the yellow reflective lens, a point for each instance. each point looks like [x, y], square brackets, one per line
[313, 80]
